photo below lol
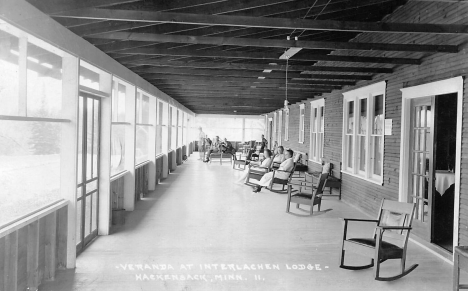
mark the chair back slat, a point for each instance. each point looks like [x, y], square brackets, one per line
[270, 165]
[399, 207]
[321, 183]
[394, 213]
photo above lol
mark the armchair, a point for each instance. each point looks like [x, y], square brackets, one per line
[312, 198]
[257, 172]
[390, 239]
[280, 179]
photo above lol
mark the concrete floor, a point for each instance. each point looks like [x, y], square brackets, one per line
[200, 231]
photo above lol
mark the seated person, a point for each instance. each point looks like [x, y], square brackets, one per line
[226, 147]
[279, 158]
[263, 164]
[285, 166]
[214, 148]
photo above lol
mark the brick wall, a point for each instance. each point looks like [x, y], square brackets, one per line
[355, 191]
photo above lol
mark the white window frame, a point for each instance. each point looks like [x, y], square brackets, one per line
[368, 92]
[286, 124]
[274, 131]
[317, 132]
[280, 127]
[301, 122]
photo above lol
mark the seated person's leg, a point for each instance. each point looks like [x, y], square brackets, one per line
[208, 153]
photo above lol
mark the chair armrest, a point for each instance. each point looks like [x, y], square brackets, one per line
[258, 170]
[289, 172]
[301, 183]
[346, 220]
[384, 227]
[358, 219]
[258, 167]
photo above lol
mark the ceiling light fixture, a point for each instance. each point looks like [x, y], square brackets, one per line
[285, 56]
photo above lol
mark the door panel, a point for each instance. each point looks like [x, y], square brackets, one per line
[88, 169]
[421, 174]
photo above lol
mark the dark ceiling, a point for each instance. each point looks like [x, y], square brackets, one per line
[211, 55]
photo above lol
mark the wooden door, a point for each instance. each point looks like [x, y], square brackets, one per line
[421, 166]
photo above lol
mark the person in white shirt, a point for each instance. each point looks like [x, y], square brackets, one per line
[262, 165]
[201, 143]
[279, 158]
[281, 173]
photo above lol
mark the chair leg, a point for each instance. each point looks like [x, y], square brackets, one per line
[297, 205]
[311, 209]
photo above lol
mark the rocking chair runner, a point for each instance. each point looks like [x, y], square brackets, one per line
[393, 223]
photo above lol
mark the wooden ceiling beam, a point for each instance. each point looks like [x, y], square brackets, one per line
[247, 74]
[278, 43]
[162, 6]
[248, 88]
[239, 99]
[204, 87]
[263, 22]
[63, 6]
[275, 93]
[243, 66]
[155, 51]
[238, 110]
[246, 81]
[268, 8]
[280, 94]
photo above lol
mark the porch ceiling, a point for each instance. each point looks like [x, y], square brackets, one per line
[211, 55]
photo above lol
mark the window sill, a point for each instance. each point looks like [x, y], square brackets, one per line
[380, 183]
[118, 175]
[315, 162]
[159, 155]
[141, 164]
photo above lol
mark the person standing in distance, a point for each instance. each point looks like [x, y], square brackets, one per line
[201, 143]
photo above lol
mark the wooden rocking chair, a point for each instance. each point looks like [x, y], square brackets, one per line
[312, 198]
[393, 224]
[282, 181]
[257, 172]
[239, 163]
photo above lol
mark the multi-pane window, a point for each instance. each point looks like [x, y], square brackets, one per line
[159, 106]
[286, 124]
[316, 130]
[301, 123]
[164, 119]
[173, 130]
[119, 124]
[180, 119]
[32, 122]
[280, 126]
[143, 127]
[363, 132]
[275, 130]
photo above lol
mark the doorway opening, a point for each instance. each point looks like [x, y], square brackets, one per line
[430, 153]
[445, 124]
[87, 200]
